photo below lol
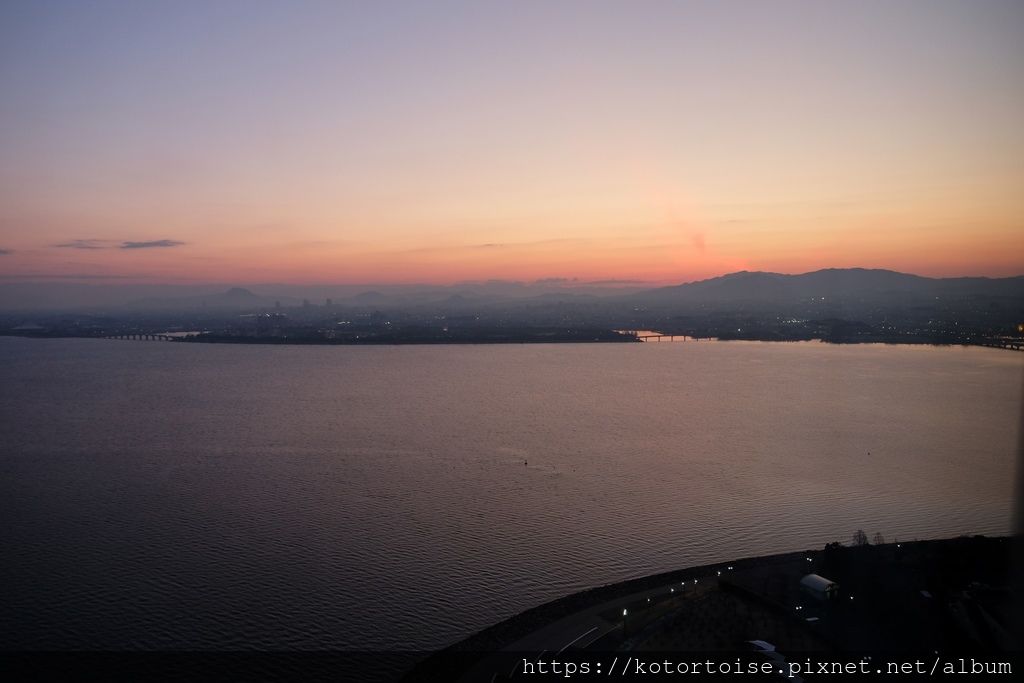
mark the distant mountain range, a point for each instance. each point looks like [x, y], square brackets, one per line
[853, 288]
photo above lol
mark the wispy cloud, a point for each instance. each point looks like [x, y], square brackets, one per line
[110, 244]
[492, 245]
[151, 245]
[84, 244]
[5, 252]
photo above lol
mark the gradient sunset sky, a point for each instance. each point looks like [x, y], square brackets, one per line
[439, 142]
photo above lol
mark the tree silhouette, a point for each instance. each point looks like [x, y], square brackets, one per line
[878, 538]
[860, 538]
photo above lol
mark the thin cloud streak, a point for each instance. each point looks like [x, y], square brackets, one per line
[91, 244]
[151, 245]
[491, 245]
[83, 244]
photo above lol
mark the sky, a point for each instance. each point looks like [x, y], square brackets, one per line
[405, 142]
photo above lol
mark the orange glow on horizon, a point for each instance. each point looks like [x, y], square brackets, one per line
[677, 143]
[575, 260]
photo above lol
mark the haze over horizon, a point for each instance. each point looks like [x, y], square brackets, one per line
[549, 282]
[635, 144]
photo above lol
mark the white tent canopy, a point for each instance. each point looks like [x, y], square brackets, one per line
[819, 586]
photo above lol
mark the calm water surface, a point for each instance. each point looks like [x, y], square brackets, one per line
[159, 495]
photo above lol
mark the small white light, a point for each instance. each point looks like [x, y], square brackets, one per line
[623, 612]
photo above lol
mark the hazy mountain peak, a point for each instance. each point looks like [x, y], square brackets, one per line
[240, 293]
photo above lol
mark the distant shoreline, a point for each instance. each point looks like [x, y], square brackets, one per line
[581, 339]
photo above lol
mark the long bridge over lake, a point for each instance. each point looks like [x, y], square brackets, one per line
[142, 336]
[1004, 343]
[652, 335]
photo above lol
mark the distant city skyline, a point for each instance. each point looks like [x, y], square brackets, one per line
[648, 142]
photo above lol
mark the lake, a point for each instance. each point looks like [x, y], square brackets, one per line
[188, 496]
